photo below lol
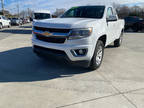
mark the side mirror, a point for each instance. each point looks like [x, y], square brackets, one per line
[111, 18]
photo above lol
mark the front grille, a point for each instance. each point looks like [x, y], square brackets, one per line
[51, 39]
[52, 30]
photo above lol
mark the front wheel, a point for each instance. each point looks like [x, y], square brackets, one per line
[9, 26]
[98, 56]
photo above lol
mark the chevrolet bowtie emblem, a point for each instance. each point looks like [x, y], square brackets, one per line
[47, 34]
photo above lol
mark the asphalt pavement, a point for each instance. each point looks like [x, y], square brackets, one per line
[27, 81]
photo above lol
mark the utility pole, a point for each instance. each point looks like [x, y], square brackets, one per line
[18, 10]
[28, 12]
[2, 5]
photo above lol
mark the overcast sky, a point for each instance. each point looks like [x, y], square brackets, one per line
[53, 4]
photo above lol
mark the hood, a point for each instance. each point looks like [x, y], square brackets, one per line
[66, 22]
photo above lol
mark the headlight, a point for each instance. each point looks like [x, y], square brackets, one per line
[80, 33]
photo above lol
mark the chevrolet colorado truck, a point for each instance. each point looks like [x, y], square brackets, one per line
[80, 34]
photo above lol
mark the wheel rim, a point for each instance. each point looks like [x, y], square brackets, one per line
[99, 56]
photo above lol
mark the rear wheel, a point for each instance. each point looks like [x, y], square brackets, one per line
[1, 26]
[135, 29]
[98, 56]
[118, 42]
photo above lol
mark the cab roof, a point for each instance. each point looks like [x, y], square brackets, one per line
[105, 5]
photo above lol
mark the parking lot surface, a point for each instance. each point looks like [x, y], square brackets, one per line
[27, 81]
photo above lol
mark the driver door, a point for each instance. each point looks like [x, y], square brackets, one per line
[110, 26]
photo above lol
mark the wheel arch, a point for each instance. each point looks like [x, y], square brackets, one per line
[103, 38]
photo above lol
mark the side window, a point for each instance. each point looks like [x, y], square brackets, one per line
[71, 13]
[109, 12]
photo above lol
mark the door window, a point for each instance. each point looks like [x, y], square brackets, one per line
[109, 12]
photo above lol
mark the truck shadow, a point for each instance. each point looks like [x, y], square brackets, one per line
[17, 31]
[22, 65]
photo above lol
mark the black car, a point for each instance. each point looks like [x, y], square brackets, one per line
[135, 23]
[16, 21]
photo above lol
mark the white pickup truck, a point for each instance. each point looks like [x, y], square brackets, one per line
[80, 34]
[4, 22]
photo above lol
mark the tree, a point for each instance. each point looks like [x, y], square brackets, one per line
[59, 12]
[23, 14]
[26, 13]
[123, 11]
[136, 11]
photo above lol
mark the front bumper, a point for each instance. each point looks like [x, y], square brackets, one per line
[68, 46]
[51, 53]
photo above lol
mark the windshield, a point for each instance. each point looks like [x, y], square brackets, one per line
[85, 12]
[40, 16]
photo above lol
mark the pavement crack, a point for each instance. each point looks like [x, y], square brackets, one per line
[88, 100]
[129, 100]
[121, 93]
[130, 91]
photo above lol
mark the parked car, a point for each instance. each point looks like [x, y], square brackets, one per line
[27, 20]
[134, 23]
[79, 35]
[23, 21]
[16, 21]
[4, 22]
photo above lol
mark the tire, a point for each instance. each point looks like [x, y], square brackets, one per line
[9, 26]
[118, 42]
[1, 26]
[98, 56]
[135, 29]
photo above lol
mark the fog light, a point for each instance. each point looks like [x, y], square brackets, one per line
[79, 52]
